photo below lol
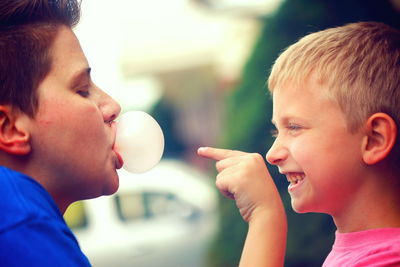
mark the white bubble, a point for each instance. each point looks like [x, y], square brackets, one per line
[139, 141]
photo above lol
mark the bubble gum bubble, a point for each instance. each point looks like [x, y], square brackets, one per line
[139, 141]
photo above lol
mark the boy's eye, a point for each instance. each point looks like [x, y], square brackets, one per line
[84, 91]
[274, 133]
[293, 127]
[290, 128]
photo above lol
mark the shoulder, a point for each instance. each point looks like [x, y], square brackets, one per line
[377, 247]
[22, 199]
[32, 231]
[40, 242]
[384, 254]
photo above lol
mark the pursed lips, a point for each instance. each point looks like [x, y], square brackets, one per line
[119, 161]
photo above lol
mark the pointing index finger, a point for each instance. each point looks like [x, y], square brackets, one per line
[217, 153]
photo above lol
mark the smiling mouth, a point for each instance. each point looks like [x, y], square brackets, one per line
[295, 178]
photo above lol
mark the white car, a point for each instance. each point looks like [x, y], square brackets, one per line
[165, 217]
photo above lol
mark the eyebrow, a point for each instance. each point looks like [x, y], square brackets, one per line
[286, 119]
[79, 76]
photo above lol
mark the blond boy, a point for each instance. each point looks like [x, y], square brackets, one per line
[336, 108]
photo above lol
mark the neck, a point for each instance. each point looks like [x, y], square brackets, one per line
[375, 205]
[24, 165]
[62, 207]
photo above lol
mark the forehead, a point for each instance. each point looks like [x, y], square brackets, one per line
[66, 53]
[68, 62]
[308, 100]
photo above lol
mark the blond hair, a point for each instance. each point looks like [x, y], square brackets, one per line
[359, 63]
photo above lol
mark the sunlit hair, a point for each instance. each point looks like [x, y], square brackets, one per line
[358, 63]
[27, 30]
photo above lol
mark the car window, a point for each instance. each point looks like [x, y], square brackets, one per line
[147, 205]
[134, 206]
[130, 206]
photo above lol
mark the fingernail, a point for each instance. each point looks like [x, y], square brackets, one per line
[201, 149]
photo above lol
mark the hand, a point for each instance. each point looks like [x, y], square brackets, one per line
[244, 177]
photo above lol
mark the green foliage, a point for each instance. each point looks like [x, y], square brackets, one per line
[249, 112]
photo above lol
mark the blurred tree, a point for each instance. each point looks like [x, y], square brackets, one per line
[249, 112]
[164, 113]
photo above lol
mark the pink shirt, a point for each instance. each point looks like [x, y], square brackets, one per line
[376, 247]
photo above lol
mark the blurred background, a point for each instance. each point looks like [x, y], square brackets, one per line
[200, 68]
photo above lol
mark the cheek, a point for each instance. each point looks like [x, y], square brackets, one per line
[54, 113]
[80, 125]
[303, 151]
[88, 132]
[313, 157]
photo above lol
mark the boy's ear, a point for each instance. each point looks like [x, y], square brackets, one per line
[14, 136]
[381, 133]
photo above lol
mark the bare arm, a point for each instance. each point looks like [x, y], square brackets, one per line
[245, 178]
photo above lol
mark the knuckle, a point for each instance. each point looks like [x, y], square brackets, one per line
[218, 166]
[251, 158]
[218, 181]
[255, 158]
[220, 186]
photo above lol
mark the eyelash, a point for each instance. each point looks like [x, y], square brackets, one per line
[293, 127]
[84, 91]
[274, 133]
[290, 127]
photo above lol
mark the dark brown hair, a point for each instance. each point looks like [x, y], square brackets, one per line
[27, 30]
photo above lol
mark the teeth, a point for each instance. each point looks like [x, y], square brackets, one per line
[294, 178]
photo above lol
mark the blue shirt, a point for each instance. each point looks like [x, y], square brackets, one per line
[32, 229]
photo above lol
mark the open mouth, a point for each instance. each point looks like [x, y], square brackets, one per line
[295, 178]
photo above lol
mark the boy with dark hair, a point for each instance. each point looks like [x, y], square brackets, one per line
[57, 133]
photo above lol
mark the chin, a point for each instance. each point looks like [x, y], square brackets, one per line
[109, 192]
[112, 186]
[299, 207]
[107, 185]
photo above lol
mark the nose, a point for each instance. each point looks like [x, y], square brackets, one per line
[109, 107]
[277, 154]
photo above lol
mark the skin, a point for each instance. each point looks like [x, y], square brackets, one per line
[68, 145]
[312, 141]
[344, 174]
[258, 202]
[340, 170]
